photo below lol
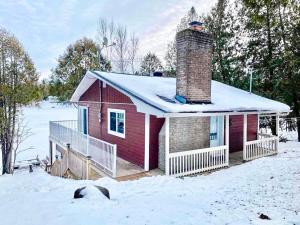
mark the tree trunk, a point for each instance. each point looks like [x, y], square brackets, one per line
[6, 162]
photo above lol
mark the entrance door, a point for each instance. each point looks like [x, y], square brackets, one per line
[216, 131]
[83, 120]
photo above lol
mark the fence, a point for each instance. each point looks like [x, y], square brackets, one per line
[266, 145]
[101, 152]
[196, 161]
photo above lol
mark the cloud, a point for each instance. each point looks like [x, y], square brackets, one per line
[46, 28]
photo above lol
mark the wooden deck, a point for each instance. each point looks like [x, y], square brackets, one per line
[236, 158]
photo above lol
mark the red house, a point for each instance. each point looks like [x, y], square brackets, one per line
[183, 125]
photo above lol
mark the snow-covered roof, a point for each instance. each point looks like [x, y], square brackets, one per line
[158, 93]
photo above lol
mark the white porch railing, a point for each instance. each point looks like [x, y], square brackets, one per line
[101, 152]
[196, 161]
[104, 154]
[266, 145]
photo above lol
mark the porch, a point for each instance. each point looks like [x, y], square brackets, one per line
[190, 162]
[101, 155]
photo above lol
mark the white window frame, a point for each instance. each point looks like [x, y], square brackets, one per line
[109, 110]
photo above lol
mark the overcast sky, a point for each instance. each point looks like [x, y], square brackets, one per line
[46, 28]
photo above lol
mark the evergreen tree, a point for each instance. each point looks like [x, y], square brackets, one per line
[72, 66]
[171, 60]
[18, 87]
[227, 44]
[192, 15]
[150, 63]
[289, 33]
[270, 26]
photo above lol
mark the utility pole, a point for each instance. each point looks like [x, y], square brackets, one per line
[251, 80]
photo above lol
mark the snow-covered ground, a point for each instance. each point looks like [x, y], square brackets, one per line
[236, 195]
[36, 119]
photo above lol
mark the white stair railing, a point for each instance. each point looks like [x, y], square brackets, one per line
[106, 158]
[102, 153]
[196, 161]
[260, 148]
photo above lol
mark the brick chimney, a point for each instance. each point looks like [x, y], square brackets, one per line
[193, 72]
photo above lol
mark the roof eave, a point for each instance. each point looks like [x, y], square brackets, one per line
[223, 113]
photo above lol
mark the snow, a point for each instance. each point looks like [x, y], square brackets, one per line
[37, 120]
[236, 195]
[224, 97]
[92, 193]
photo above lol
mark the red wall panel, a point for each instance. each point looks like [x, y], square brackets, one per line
[155, 126]
[236, 131]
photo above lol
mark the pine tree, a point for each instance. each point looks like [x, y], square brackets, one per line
[227, 59]
[171, 60]
[150, 63]
[72, 66]
[18, 87]
[192, 15]
[271, 28]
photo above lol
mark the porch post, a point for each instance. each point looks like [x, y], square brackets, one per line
[167, 146]
[244, 136]
[227, 139]
[87, 145]
[147, 134]
[277, 132]
[277, 124]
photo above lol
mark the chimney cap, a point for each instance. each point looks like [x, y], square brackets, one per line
[196, 25]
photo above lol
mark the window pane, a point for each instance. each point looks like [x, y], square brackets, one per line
[121, 123]
[113, 121]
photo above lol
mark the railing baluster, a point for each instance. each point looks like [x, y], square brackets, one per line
[101, 152]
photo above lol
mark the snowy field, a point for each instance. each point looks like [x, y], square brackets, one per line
[36, 119]
[231, 196]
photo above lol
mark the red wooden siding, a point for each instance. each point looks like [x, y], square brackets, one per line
[130, 148]
[92, 94]
[236, 131]
[155, 126]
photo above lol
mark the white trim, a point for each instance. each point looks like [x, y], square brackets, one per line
[147, 142]
[227, 131]
[167, 145]
[245, 129]
[207, 114]
[109, 110]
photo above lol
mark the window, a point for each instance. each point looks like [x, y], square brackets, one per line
[116, 122]
[216, 131]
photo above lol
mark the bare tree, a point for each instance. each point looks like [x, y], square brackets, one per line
[121, 49]
[106, 30]
[111, 37]
[114, 42]
[132, 50]
[22, 133]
